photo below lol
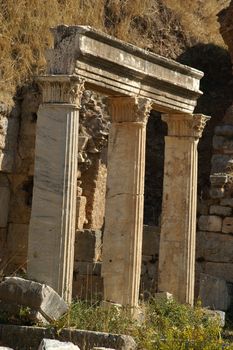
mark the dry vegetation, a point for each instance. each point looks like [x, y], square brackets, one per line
[162, 26]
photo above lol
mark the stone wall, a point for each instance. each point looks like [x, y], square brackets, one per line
[215, 215]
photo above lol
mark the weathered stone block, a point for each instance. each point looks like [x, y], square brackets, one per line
[216, 192]
[215, 247]
[52, 344]
[218, 180]
[219, 163]
[227, 226]
[24, 338]
[81, 202]
[220, 210]
[223, 144]
[227, 202]
[214, 292]
[35, 295]
[150, 243]
[220, 270]
[88, 245]
[210, 223]
[4, 205]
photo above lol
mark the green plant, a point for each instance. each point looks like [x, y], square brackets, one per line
[167, 325]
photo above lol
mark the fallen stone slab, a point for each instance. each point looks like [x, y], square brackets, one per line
[35, 295]
[25, 337]
[52, 344]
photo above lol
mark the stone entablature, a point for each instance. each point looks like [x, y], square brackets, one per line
[136, 82]
[115, 67]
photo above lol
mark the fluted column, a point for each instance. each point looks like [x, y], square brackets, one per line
[52, 224]
[178, 229]
[122, 243]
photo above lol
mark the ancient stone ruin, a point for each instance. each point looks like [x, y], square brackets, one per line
[134, 82]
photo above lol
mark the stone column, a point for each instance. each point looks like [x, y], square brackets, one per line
[178, 229]
[122, 243]
[52, 225]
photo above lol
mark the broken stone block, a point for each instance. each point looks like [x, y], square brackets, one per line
[227, 226]
[214, 292]
[220, 210]
[210, 223]
[52, 344]
[35, 295]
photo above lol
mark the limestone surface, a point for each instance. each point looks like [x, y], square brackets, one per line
[52, 344]
[37, 296]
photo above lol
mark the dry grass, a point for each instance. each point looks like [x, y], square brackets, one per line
[162, 26]
[198, 17]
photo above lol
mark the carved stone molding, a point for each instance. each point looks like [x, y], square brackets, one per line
[62, 89]
[186, 125]
[129, 109]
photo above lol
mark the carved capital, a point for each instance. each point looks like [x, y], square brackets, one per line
[62, 89]
[129, 109]
[186, 125]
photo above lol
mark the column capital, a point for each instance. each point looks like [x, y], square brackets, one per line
[186, 125]
[61, 89]
[129, 109]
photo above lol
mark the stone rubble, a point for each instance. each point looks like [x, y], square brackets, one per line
[38, 297]
[51, 344]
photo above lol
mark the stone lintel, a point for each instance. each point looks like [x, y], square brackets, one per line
[129, 109]
[115, 67]
[61, 89]
[185, 125]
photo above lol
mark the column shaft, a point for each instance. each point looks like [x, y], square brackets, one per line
[178, 229]
[122, 244]
[52, 224]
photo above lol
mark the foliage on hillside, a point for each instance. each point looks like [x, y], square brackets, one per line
[162, 26]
